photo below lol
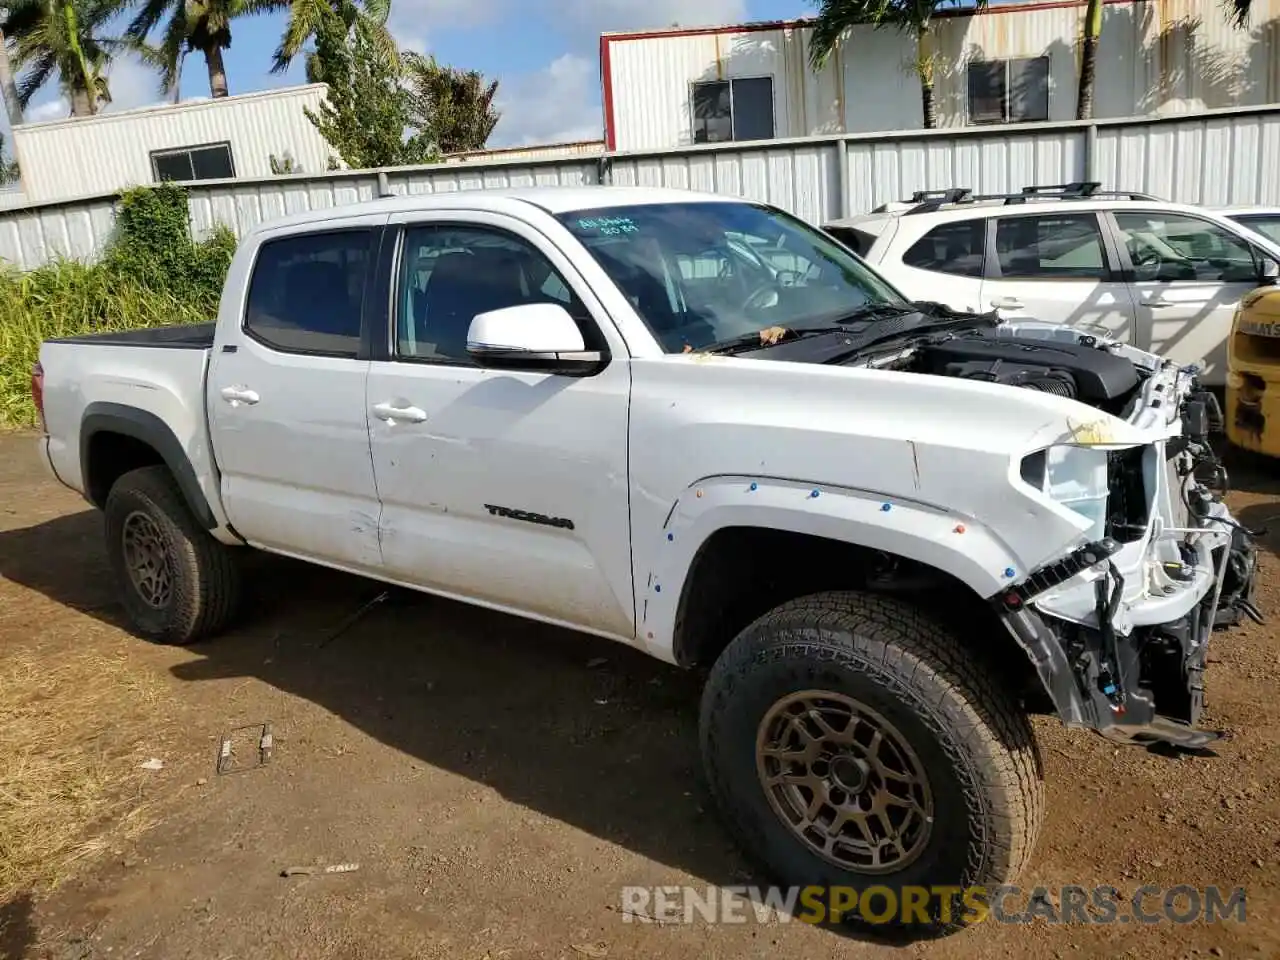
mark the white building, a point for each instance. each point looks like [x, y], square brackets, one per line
[193, 140]
[1008, 63]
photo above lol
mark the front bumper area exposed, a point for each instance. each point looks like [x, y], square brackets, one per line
[1146, 684]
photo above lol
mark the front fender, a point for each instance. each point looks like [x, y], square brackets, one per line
[944, 539]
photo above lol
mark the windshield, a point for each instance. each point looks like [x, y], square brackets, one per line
[1267, 224]
[703, 272]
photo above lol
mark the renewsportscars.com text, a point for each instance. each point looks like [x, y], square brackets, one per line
[1148, 904]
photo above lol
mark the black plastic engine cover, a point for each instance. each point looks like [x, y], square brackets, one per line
[1100, 377]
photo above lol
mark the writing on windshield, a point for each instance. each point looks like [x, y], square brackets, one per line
[701, 272]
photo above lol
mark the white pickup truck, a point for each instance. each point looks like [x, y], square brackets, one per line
[701, 427]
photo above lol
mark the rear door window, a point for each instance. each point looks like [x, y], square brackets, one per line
[1051, 246]
[307, 291]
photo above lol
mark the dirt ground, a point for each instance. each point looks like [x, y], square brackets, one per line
[499, 781]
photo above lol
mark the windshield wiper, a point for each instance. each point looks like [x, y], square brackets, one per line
[751, 341]
[885, 321]
[878, 311]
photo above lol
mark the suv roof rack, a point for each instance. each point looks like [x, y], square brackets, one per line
[927, 201]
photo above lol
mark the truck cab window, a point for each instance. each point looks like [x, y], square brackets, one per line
[306, 293]
[451, 273]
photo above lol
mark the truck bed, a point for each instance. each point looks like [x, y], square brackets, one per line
[183, 336]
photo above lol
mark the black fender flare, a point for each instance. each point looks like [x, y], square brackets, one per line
[102, 417]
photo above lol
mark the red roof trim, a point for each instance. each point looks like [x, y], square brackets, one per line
[763, 25]
[606, 76]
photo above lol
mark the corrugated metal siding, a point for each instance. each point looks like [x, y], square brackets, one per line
[1155, 56]
[586, 148]
[64, 159]
[1214, 158]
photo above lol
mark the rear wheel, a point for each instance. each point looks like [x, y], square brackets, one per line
[852, 743]
[178, 584]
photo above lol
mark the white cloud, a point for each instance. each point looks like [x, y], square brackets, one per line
[412, 20]
[585, 20]
[52, 110]
[132, 85]
[558, 104]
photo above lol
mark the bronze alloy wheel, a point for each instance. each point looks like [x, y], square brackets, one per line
[845, 780]
[146, 558]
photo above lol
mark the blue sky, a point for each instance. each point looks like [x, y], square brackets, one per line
[545, 54]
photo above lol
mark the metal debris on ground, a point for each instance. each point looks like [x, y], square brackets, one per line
[311, 871]
[227, 756]
[348, 623]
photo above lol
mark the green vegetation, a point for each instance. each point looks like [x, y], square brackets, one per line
[452, 109]
[62, 39]
[366, 111]
[151, 274]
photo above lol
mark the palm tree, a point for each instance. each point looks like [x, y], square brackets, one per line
[1236, 11]
[8, 89]
[305, 17]
[836, 17]
[451, 108]
[63, 37]
[192, 25]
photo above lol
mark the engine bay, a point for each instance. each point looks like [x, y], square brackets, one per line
[1081, 371]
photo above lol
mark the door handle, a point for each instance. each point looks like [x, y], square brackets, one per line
[1007, 303]
[392, 413]
[1156, 304]
[238, 395]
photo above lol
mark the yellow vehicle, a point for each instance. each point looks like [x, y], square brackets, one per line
[1253, 373]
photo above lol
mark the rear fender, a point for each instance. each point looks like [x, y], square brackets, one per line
[147, 428]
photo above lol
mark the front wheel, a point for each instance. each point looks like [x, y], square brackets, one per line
[852, 744]
[178, 584]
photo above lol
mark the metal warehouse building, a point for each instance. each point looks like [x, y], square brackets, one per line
[1005, 64]
[193, 140]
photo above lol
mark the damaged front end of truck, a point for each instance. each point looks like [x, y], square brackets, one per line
[1119, 629]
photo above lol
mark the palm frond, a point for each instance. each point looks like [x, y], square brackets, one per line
[1237, 12]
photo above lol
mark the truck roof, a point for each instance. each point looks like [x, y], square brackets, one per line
[554, 200]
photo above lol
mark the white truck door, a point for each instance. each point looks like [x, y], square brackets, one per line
[1054, 266]
[286, 397]
[502, 487]
[1188, 277]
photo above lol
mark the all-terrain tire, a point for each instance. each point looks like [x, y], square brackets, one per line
[974, 744]
[203, 578]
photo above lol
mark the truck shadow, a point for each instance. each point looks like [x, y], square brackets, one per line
[580, 729]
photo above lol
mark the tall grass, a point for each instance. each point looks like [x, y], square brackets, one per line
[152, 274]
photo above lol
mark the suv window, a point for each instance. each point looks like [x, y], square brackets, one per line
[1051, 247]
[955, 248]
[1172, 247]
[306, 292]
[451, 273]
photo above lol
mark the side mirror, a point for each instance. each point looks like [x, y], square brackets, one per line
[531, 336]
[1270, 272]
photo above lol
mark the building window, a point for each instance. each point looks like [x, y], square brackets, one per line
[209, 161]
[738, 109]
[1009, 91]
